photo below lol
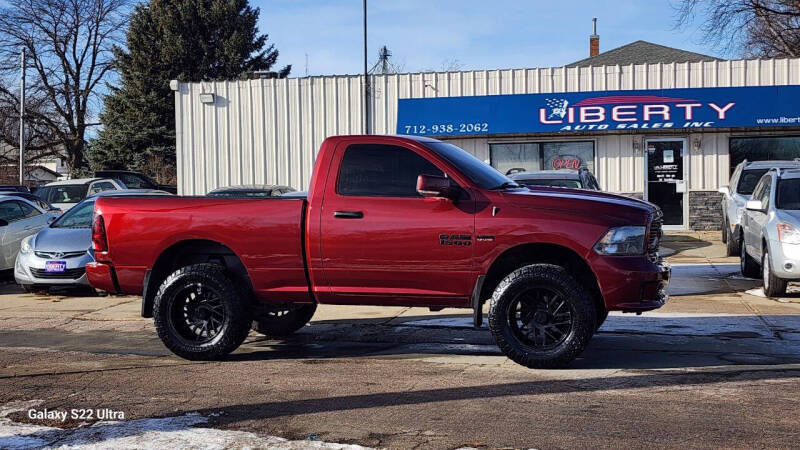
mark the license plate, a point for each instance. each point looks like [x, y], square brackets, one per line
[55, 266]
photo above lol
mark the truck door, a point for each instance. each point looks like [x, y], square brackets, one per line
[381, 242]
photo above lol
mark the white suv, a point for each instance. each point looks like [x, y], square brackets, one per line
[742, 183]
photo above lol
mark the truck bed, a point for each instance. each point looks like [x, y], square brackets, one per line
[266, 234]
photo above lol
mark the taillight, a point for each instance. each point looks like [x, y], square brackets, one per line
[99, 241]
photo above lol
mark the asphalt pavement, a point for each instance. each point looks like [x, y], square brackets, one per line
[717, 367]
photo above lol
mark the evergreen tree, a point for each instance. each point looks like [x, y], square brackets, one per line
[187, 40]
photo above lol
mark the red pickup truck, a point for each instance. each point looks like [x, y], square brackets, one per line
[388, 220]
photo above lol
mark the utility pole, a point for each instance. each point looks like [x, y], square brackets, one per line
[366, 75]
[22, 121]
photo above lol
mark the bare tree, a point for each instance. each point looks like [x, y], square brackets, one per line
[68, 43]
[756, 28]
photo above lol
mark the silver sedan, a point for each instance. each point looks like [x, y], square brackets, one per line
[19, 218]
[771, 230]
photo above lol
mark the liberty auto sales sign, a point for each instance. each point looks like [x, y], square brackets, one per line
[736, 107]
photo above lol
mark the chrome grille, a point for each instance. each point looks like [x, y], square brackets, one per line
[654, 236]
[59, 255]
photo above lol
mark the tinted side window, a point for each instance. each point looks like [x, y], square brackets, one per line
[10, 211]
[28, 210]
[382, 170]
[765, 192]
[136, 182]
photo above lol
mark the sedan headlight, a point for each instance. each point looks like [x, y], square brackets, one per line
[621, 241]
[26, 246]
[788, 234]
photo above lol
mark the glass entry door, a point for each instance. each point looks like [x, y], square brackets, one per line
[666, 184]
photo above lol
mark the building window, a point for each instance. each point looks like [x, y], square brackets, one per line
[763, 149]
[532, 156]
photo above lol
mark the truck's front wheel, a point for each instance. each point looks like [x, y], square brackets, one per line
[283, 320]
[200, 314]
[541, 317]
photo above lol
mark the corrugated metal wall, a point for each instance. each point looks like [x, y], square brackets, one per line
[268, 131]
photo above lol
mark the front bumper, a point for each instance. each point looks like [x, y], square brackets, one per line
[785, 260]
[29, 271]
[632, 283]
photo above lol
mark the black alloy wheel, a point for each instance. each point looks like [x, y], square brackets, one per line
[540, 318]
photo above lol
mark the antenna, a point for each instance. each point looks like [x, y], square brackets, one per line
[306, 64]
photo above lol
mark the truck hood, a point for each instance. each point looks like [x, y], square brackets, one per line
[582, 201]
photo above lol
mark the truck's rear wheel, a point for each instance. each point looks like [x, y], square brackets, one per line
[541, 317]
[283, 320]
[200, 314]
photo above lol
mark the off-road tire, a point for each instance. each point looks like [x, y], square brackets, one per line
[283, 320]
[773, 286]
[747, 265]
[602, 315]
[549, 277]
[732, 245]
[235, 325]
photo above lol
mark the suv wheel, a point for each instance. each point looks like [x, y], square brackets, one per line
[773, 286]
[748, 265]
[541, 317]
[732, 243]
[724, 230]
[283, 320]
[200, 314]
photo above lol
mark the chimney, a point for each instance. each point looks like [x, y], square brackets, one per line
[594, 40]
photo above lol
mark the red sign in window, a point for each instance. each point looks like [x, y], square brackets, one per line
[566, 163]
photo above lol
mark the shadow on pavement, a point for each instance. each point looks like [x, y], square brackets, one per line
[267, 410]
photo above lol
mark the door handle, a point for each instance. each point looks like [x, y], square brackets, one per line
[348, 214]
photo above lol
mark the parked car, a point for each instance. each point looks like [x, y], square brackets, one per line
[136, 180]
[67, 193]
[57, 255]
[737, 193]
[576, 179]
[19, 218]
[13, 188]
[32, 198]
[389, 220]
[771, 230]
[251, 190]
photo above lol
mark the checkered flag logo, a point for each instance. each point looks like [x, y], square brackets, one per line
[558, 107]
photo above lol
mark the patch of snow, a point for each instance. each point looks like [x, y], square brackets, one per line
[758, 292]
[168, 432]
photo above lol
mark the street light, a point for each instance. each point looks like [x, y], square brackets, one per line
[22, 120]
[366, 75]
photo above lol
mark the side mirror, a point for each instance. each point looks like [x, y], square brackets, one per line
[754, 205]
[432, 186]
[724, 190]
[3, 223]
[51, 219]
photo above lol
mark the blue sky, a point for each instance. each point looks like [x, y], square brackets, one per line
[424, 34]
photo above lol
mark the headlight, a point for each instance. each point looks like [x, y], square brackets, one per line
[622, 241]
[26, 246]
[787, 234]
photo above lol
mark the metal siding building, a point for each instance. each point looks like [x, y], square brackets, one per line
[269, 130]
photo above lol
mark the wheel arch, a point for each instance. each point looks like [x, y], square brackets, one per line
[186, 252]
[539, 252]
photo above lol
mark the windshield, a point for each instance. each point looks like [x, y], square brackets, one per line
[788, 194]
[748, 181]
[557, 182]
[473, 168]
[72, 193]
[78, 217]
